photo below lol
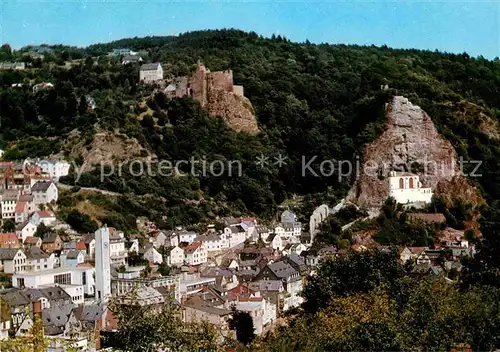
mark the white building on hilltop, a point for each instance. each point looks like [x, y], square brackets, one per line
[151, 73]
[406, 187]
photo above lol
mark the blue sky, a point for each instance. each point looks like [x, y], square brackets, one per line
[449, 25]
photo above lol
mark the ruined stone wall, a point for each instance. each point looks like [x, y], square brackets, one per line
[198, 85]
[221, 80]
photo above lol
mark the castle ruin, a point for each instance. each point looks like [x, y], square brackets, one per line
[201, 83]
[216, 92]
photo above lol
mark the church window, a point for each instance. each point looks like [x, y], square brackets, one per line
[401, 183]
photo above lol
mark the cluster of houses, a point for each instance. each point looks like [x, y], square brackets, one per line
[243, 266]
[26, 187]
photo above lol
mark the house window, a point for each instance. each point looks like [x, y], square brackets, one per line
[20, 282]
[62, 279]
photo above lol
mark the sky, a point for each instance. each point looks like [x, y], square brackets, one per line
[451, 26]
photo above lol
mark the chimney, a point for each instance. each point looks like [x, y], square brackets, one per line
[98, 334]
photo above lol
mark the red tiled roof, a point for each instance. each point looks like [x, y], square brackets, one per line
[192, 247]
[417, 250]
[9, 239]
[239, 290]
[45, 214]
[20, 207]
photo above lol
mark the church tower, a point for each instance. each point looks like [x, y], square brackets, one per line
[102, 265]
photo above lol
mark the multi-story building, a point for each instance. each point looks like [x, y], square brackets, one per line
[54, 169]
[9, 198]
[195, 253]
[44, 192]
[151, 73]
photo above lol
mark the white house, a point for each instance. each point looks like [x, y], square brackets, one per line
[12, 260]
[117, 251]
[186, 236]
[153, 256]
[43, 216]
[44, 192]
[213, 242]
[151, 73]
[195, 253]
[24, 230]
[37, 260]
[72, 258]
[236, 235]
[296, 248]
[21, 212]
[175, 256]
[55, 169]
[262, 311]
[406, 187]
[275, 242]
[9, 198]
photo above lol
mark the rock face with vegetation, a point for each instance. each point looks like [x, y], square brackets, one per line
[235, 110]
[105, 148]
[410, 143]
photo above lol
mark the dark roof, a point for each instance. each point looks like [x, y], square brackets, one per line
[36, 253]
[14, 297]
[131, 58]
[282, 269]
[50, 237]
[10, 195]
[41, 186]
[87, 238]
[73, 254]
[296, 259]
[53, 293]
[8, 253]
[89, 312]
[31, 240]
[149, 67]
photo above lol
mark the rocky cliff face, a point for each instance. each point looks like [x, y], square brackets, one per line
[106, 148]
[235, 110]
[410, 143]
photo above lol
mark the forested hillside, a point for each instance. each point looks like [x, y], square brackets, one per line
[310, 100]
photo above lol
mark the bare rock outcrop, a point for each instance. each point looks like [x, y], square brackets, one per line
[106, 148]
[235, 110]
[410, 143]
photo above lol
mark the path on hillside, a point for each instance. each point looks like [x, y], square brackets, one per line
[90, 189]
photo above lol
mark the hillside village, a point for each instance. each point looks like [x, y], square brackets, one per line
[255, 267]
[69, 279]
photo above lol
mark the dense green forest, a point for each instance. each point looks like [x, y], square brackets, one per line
[310, 100]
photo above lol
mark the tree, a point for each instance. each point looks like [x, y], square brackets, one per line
[351, 273]
[141, 329]
[81, 222]
[164, 269]
[242, 322]
[41, 230]
[8, 226]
